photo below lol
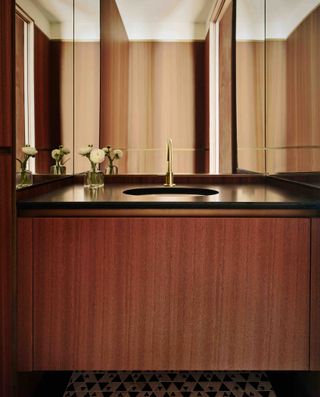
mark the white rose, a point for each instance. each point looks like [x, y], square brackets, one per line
[85, 150]
[65, 150]
[55, 154]
[30, 151]
[97, 156]
[118, 153]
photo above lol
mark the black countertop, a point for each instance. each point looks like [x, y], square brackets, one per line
[265, 194]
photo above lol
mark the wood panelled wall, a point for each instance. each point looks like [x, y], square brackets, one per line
[86, 99]
[166, 99]
[251, 105]
[297, 148]
[292, 101]
[47, 98]
[151, 91]
[7, 153]
[225, 92]
[114, 77]
[19, 70]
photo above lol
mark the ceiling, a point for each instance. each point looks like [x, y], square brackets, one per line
[282, 17]
[165, 19]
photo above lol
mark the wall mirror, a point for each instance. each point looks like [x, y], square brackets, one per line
[292, 86]
[113, 82]
[44, 79]
[278, 89]
[130, 74]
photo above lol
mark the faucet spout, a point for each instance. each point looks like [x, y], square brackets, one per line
[169, 174]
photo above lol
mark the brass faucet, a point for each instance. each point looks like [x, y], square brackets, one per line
[169, 174]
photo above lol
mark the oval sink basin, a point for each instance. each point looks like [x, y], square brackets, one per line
[166, 190]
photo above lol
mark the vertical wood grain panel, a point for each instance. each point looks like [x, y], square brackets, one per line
[167, 99]
[160, 293]
[207, 102]
[6, 71]
[293, 98]
[19, 79]
[86, 107]
[24, 295]
[6, 302]
[303, 89]
[225, 92]
[47, 100]
[315, 297]
[7, 97]
[276, 93]
[114, 76]
[250, 94]
[251, 105]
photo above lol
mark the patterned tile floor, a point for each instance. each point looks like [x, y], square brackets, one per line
[169, 384]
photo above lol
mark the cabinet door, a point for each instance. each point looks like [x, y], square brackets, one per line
[171, 293]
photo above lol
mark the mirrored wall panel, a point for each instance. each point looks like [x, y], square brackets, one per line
[250, 84]
[44, 80]
[292, 85]
[130, 74]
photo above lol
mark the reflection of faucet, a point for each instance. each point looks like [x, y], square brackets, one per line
[169, 174]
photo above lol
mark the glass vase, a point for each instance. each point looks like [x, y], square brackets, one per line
[93, 179]
[111, 170]
[58, 170]
[24, 179]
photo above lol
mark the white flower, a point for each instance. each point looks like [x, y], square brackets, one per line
[97, 156]
[55, 154]
[118, 153]
[30, 151]
[85, 150]
[65, 150]
[107, 149]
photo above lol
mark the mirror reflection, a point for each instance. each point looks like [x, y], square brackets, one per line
[250, 84]
[131, 74]
[44, 79]
[292, 86]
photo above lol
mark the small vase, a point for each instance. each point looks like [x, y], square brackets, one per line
[58, 170]
[24, 179]
[93, 179]
[111, 170]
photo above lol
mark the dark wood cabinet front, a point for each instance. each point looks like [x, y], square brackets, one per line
[171, 293]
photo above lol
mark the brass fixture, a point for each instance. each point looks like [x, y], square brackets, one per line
[169, 174]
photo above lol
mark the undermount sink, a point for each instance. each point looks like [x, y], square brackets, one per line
[165, 190]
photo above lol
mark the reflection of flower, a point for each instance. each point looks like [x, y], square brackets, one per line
[28, 151]
[97, 156]
[112, 155]
[94, 155]
[58, 154]
[85, 150]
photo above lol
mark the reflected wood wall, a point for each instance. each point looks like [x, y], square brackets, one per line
[166, 99]
[47, 58]
[225, 92]
[250, 105]
[293, 99]
[86, 99]
[114, 77]
[19, 47]
[151, 91]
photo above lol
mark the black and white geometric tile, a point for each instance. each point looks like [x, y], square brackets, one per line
[169, 384]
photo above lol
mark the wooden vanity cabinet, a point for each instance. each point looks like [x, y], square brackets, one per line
[165, 294]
